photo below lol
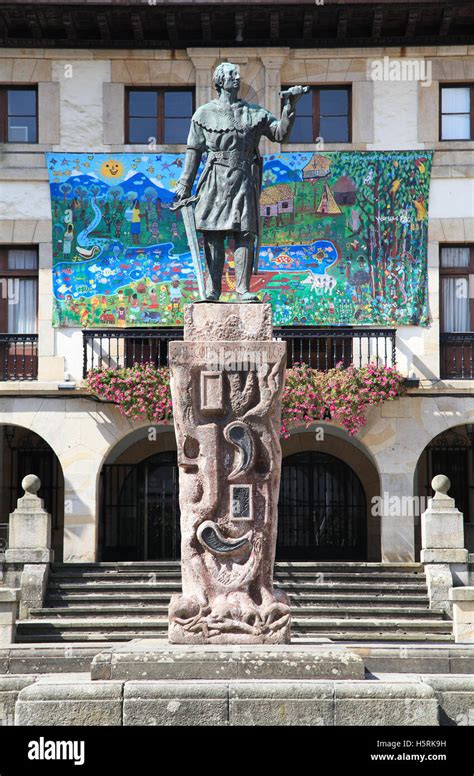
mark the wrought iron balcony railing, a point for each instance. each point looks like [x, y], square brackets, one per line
[18, 357]
[457, 355]
[321, 348]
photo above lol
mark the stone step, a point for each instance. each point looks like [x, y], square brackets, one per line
[328, 624]
[279, 565]
[296, 597]
[347, 586]
[281, 577]
[123, 635]
[343, 636]
[349, 635]
[125, 610]
[301, 623]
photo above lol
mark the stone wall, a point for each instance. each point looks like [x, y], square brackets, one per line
[81, 107]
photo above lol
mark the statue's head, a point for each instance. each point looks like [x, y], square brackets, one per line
[226, 76]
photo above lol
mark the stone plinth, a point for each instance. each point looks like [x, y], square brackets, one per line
[442, 528]
[69, 700]
[9, 599]
[227, 379]
[29, 530]
[463, 614]
[152, 659]
[76, 700]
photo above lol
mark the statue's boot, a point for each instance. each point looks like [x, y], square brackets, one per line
[214, 257]
[247, 296]
[243, 259]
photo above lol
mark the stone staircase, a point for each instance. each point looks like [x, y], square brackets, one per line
[342, 601]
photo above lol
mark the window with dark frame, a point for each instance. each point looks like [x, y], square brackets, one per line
[457, 112]
[18, 290]
[457, 311]
[323, 112]
[161, 116]
[18, 114]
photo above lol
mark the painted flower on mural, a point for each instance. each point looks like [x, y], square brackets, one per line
[342, 394]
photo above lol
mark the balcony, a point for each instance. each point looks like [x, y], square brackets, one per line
[18, 357]
[457, 356]
[321, 348]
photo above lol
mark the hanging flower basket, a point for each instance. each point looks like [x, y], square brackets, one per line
[342, 395]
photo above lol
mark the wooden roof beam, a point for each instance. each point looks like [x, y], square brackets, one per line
[206, 28]
[342, 22]
[104, 28]
[413, 16]
[239, 26]
[446, 19]
[68, 24]
[377, 22]
[274, 26]
[33, 23]
[137, 27]
[308, 20]
[171, 26]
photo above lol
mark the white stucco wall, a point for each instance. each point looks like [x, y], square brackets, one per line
[395, 115]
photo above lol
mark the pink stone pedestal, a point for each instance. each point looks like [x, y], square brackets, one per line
[227, 379]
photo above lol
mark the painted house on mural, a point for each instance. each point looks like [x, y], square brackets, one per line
[276, 200]
[374, 262]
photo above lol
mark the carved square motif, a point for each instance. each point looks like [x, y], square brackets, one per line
[241, 507]
[212, 399]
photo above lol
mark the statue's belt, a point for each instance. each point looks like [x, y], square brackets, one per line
[229, 159]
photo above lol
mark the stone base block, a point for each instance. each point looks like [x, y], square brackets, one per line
[385, 703]
[332, 703]
[176, 703]
[70, 701]
[463, 614]
[34, 580]
[232, 321]
[10, 687]
[29, 556]
[9, 599]
[281, 703]
[456, 699]
[444, 556]
[154, 659]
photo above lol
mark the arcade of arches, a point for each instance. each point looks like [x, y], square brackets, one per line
[326, 493]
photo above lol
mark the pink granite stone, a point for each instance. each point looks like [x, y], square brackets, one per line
[227, 410]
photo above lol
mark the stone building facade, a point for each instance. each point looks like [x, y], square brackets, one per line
[80, 94]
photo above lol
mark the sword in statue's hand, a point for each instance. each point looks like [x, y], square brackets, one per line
[185, 205]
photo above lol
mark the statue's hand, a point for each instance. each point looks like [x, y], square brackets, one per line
[293, 94]
[182, 191]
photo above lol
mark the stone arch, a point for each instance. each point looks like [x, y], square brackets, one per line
[138, 509]
[24, 451]
[354, 454]
[450, 452]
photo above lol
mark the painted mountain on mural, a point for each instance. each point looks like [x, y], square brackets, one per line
[344, 239]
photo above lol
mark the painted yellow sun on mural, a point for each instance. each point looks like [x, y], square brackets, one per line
[112, 168]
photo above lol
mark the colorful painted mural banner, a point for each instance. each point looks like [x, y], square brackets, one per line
[344, 239]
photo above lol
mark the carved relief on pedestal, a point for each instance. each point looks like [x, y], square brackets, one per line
[227, 408]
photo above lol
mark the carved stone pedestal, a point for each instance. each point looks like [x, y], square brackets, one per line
[227, 378]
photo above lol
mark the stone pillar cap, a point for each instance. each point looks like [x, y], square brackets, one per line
[440, 484]
[31, 484]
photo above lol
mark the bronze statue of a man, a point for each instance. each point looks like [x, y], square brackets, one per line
[229, 130]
